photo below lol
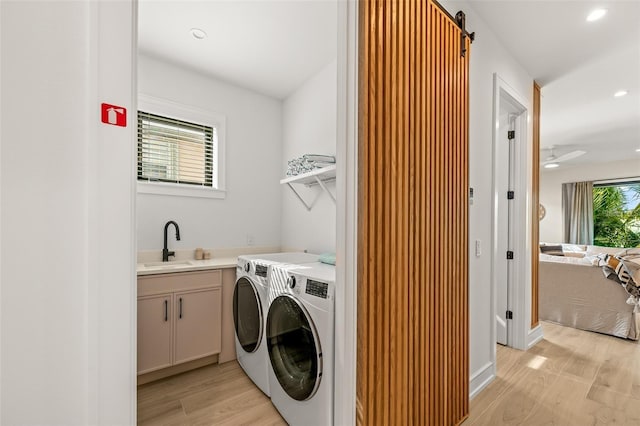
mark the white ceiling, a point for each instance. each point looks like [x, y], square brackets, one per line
[271, 47]
[579, 65]
[274, 46]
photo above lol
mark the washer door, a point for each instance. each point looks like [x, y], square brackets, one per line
[247, 314]
[294, 348]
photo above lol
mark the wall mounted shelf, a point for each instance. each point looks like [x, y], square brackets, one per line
[317, 177]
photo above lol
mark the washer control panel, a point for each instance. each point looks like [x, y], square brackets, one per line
[317, 288]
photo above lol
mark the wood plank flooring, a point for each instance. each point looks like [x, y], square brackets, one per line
[572, 377]
[219, 394]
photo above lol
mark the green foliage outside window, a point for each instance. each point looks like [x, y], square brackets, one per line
[616, 215]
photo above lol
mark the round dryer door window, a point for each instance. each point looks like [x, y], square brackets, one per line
[247, 314]
[294, 348]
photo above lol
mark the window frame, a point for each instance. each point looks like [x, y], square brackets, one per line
[170, 109]
[612, 183]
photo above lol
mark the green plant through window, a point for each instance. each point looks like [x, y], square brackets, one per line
[616, 215]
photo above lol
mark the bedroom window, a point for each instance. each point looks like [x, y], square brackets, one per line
[180, 150]
[616, 214]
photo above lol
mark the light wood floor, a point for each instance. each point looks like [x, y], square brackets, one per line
[213, 395]
[572, 377]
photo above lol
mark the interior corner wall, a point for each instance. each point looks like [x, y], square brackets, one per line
[488, 56]
[253, 150]
[309, 127]
[551, 189]
[67, 214]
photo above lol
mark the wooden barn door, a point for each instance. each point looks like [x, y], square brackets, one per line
[412, 362]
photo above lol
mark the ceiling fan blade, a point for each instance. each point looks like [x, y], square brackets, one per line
[569, 156]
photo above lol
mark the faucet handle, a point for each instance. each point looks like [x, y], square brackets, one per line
[166, 253]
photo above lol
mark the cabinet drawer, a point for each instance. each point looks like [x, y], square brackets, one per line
[180, 281]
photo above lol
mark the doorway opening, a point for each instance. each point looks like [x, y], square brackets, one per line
[231, 92]
[511, 308]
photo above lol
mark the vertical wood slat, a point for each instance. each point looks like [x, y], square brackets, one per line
[412, 287]
[535, 203]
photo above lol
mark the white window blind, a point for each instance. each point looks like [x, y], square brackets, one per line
[176, 151]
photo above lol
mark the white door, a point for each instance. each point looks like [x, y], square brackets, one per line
[501, 273]
[505, 172]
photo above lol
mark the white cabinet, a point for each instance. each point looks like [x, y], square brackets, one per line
[179, 318]
[198, 327]
[155, 349]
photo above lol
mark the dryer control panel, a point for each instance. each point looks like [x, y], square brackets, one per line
[261, 270]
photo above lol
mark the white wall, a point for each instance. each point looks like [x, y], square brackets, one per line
[551, 189]
[253, 165]
[488, 56]
[309, 127]
[67, 214]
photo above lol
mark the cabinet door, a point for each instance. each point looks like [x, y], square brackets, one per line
[154, 333]
[198, 324]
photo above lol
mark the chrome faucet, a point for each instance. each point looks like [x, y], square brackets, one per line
[165, 251]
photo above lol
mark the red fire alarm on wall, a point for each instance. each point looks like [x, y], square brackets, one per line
[114, 114]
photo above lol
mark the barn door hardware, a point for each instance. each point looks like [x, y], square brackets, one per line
[461, 20]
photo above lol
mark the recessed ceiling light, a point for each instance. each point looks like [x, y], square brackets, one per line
[198, 34]
[551, 165]
[596, 14]
[620, 93]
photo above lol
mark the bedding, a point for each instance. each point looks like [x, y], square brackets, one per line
[622, 269]
[574, 292]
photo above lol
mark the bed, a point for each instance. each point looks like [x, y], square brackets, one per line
[576, 294]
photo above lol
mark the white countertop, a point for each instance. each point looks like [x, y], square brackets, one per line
[150, 262]
[153, 268]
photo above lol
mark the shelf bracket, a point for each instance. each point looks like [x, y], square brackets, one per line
[307, 205]
[318, 177]
[323, 186]
[300, 197]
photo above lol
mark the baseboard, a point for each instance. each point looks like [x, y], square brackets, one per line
[481, 379]
[535, 335]
[176, 369]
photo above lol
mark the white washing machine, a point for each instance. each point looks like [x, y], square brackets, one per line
[300, 342]
[250, 307]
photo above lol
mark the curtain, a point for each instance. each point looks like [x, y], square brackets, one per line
[577, 212]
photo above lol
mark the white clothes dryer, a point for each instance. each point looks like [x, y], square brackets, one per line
[300, 342]
[250, 307]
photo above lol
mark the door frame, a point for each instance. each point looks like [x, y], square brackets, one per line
[346, 215]
[520, 334]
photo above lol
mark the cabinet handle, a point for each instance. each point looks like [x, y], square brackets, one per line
[166, 310]
[181, 308]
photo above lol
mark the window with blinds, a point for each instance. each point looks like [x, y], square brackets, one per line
[176, 151]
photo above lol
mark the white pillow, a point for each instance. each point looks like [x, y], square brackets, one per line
[573, 248]
[592, 250]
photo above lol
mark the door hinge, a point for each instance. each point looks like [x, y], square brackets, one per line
[511, 195]
[509, 315]
[511, 134]
[509, 255]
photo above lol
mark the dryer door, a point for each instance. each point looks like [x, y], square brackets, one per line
[247, 314]
[294, 348]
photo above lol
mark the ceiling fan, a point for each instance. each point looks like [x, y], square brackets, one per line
[553, 161]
